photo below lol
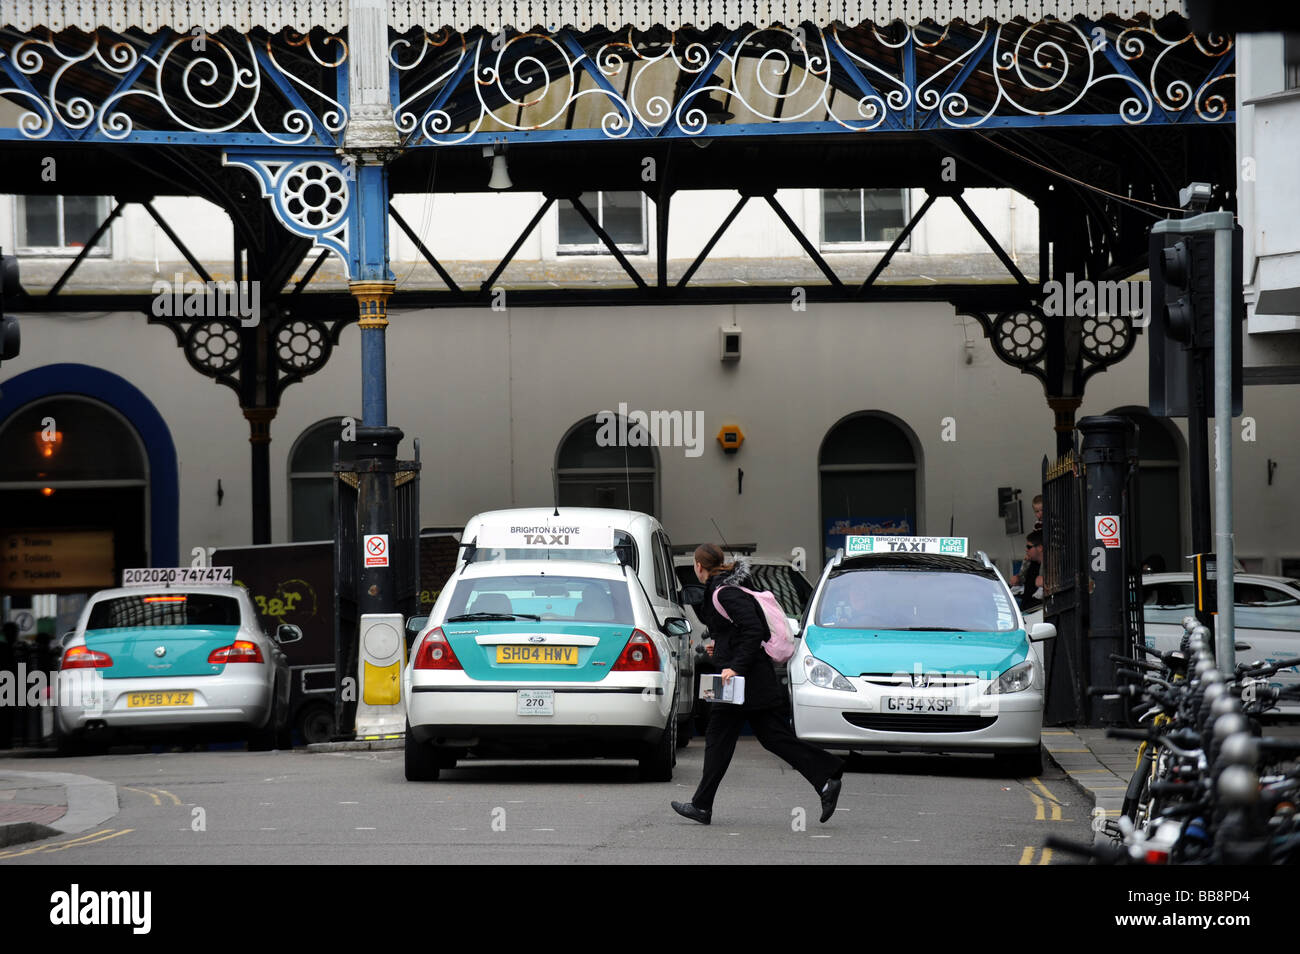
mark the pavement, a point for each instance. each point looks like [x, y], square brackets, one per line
[1098, 766]
[36, 805]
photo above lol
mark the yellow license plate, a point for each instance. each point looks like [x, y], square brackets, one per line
[179, 697]
[539, 655]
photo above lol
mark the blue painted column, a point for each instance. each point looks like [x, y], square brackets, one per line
[372, 285]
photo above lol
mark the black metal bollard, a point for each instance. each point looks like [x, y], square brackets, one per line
[1109, 450]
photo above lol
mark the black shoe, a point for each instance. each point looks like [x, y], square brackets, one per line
[830, 796]
[687, 810]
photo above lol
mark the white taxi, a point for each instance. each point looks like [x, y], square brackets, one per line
[543, 659]
[910, 645]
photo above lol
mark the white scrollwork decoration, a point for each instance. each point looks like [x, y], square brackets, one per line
[806, 74]
[215, 83]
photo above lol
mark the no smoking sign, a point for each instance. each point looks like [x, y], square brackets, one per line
[1107, 530]
[375, 549]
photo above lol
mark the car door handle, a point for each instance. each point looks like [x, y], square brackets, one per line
[1242, 646]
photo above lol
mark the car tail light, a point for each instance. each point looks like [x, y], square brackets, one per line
[240, 651]
[639, 655]
[435, 652]
[80, 657]
[1155, 857]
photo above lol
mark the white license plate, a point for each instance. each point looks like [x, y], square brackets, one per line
[535, 702]
[918, 703]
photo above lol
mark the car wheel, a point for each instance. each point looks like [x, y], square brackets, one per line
[421, 759]
[316, 723]
[264, 739]
[657, 764]
[1021, 763]
[685, 730]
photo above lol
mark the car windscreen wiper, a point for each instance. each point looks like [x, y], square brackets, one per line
[464, 617]
[934, 629]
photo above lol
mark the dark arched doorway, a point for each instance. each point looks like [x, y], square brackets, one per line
[590, 472]
[869, 470]
[72, 464]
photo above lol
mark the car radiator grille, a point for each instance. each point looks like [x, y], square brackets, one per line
[911, 722]
[934, 680]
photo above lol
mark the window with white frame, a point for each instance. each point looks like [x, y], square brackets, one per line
[59, 224]
[621, 214]
[863, 218]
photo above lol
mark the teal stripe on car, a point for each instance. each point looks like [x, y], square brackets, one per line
[857, 651]
[480, 662]
[185, 650]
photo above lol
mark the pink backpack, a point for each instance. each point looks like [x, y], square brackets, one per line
[780, 644]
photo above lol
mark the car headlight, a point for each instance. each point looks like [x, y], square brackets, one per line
[820, 674]
[1016, 679]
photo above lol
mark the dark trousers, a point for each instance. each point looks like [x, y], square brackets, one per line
[770, 728]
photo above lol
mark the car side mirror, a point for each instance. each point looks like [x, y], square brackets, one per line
[693, 594]
[416, 623]
[1041, 631]
[288, 633]
[677, 626]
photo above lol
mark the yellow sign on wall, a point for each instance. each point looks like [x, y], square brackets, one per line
[47, 561]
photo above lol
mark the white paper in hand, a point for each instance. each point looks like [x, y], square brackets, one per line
[712, 689]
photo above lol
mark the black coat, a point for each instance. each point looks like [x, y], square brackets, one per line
[737, 644]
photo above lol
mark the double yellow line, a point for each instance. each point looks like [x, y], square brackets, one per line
[154, 793]
[81, 841]
[1046, 808]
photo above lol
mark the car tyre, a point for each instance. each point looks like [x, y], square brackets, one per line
[1022, 763]
[685, 730]
[315, 723]
[657, 764]
[422, 762]
[264, 739]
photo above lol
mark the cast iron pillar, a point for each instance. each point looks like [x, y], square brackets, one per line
[376, 468]
[1109, 451]
[376, 449]
[259, 438]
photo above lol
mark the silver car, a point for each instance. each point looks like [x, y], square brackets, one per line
[1266, 620]
[168, 659]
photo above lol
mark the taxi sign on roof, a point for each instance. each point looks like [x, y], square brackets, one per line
[184, 575]
[949, 546]
[557, 534]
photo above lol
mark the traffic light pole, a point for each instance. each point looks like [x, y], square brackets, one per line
[1225, 646]
[1198, 459]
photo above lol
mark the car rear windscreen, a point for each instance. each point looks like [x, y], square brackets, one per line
[567, 598]
[164, 609]
[921, 600]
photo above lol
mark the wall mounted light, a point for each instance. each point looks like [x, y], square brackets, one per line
[729, 343]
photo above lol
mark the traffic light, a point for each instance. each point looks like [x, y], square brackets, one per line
[1181, 331]
[9, 288]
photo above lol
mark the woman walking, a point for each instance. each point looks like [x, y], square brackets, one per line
[738, 650]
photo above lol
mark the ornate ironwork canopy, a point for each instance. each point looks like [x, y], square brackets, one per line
[1097, 111]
